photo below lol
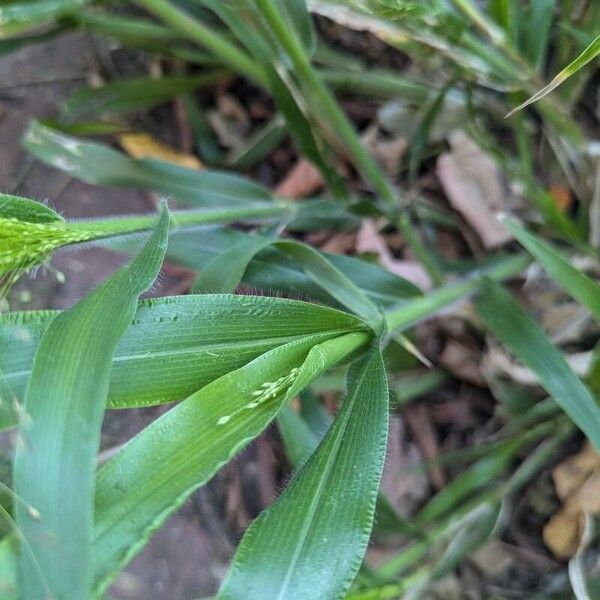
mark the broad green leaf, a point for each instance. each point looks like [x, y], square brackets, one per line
[99, 164]
[574, 282]
[589, 54]
[333, 281]
[505, 318]
[157, 470]
[174, 346]
[23, 209]
[226, 271]
[273, 271]
[300, 442]
[60, 430]
[310, 543]
[132, 94]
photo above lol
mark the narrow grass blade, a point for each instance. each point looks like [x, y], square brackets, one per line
[135, 492]
[589, 54]
[573, 281]
[96, 163]
[310, 543]
[418, 309]
[272, 271]
[301, 123]
[18, 17]
[299, 18]
[505, 318]
[64, 405]
[132, 94]
[225, 272]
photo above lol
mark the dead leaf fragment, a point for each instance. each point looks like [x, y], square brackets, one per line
[562, 196]
[577, 484]
[574, 471]
[562, 532]
[368, 239]
[388, 152]
[301, 181]
[473, 184]
[143, 145]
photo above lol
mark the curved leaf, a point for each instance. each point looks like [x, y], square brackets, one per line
[505, 318]
[55, 461]
[310, 543]
[157, 470]
[573, 281]
[99, 164]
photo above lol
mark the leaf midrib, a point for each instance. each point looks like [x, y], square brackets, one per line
[276, 341]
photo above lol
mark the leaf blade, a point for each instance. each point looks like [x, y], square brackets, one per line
[505, 318]
[65, 404]
[288, 550]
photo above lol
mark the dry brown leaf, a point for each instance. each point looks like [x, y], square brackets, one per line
[572, 473]
[418, 420]
[143, 145]
[405, 485]
[368, 239]
[473, 184]
[302, 180]
[577, 484]
[562, 196]
[563, 531]
[388, 152]
[463, 362]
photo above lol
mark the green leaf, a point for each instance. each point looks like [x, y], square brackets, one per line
[174, 346]
[23, 209]
[135, 492]
[60, 432]
[96, 163]
[132, 94]
[242, 21]
[300, 442]
[298, 16]
[573, 281]
[310, 543]
[589, 54]
[505, 318]
[8, 568]
[130, 30]
[227, 270]
[273, 271]
[16, 17]
[539, 24]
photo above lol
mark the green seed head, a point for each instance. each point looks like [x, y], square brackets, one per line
[24, 244]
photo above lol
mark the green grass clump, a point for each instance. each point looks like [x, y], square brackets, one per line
[230, 363]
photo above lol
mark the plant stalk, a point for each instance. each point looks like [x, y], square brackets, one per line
[416, 310]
